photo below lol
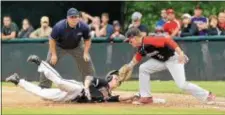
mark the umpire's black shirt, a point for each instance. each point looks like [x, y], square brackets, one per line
[67, 37]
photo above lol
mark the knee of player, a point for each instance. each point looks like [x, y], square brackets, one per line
[183, 85]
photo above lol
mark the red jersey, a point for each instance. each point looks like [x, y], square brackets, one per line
[159, 48]
[170, 26]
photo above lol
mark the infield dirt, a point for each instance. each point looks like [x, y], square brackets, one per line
[17, 97]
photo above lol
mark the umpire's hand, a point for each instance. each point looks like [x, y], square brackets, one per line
[54, 59]
[86, 57]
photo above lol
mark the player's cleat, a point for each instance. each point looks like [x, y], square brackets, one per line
[143, 100]
[34, 59]
[14, 78]
[211, 98]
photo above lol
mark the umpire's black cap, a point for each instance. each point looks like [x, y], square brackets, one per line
[131, 33]
[73, 12]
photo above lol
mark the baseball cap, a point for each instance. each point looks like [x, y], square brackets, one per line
[170, 11]
[73, 12]
[136, 16]
[186, 15]
[131, 33]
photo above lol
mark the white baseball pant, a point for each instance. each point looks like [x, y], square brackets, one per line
[176, 70]
[67, 89]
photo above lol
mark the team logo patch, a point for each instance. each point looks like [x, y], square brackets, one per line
[152, 53]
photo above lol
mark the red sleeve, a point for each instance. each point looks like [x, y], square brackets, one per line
[160, 42]
[170, 42]
[138, 56]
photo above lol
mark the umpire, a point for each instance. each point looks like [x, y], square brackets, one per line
[66, 38]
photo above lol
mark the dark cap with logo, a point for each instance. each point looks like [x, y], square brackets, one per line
[73, 12]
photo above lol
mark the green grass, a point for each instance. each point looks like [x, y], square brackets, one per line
[110, 110]
[217, 87]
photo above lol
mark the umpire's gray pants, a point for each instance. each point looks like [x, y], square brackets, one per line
[86, 68]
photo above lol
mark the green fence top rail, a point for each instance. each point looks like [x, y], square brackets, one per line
[104, 39]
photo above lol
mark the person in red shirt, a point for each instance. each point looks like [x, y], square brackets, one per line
[221, 18]
[164, 53]
[172, 26]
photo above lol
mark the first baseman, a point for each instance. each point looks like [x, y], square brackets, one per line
[164, 53]
[92, 90]
[66, 38]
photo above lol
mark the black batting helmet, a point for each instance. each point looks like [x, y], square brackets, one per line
[109, 76]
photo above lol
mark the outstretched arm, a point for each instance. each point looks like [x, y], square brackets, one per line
[119, 98]
[135, 60]
[127, 98]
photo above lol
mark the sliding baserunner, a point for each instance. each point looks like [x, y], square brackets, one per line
[92, 90]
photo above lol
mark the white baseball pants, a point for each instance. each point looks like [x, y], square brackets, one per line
[176, 70]
[67, 89]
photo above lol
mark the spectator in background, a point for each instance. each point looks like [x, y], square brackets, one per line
[221, 24]
[159, 32]
[201, 21]
[162, 21]
[26, 29]
[44, 31]
[117, 31]
[9, 29]
[83, 17]
[136, 22]
[95, 26]
[188, 28]
[213, 29]
[172, 26]
[105, 24]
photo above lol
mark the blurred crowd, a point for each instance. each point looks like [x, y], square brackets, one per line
[169, 25]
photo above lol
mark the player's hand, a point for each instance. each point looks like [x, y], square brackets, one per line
[136, 96]
[54, 59]
[86, 57]
[88, 94]
[183, 59]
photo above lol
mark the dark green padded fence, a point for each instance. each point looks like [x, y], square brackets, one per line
[207, 58]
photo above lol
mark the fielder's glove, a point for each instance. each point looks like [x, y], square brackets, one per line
[125, 73]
